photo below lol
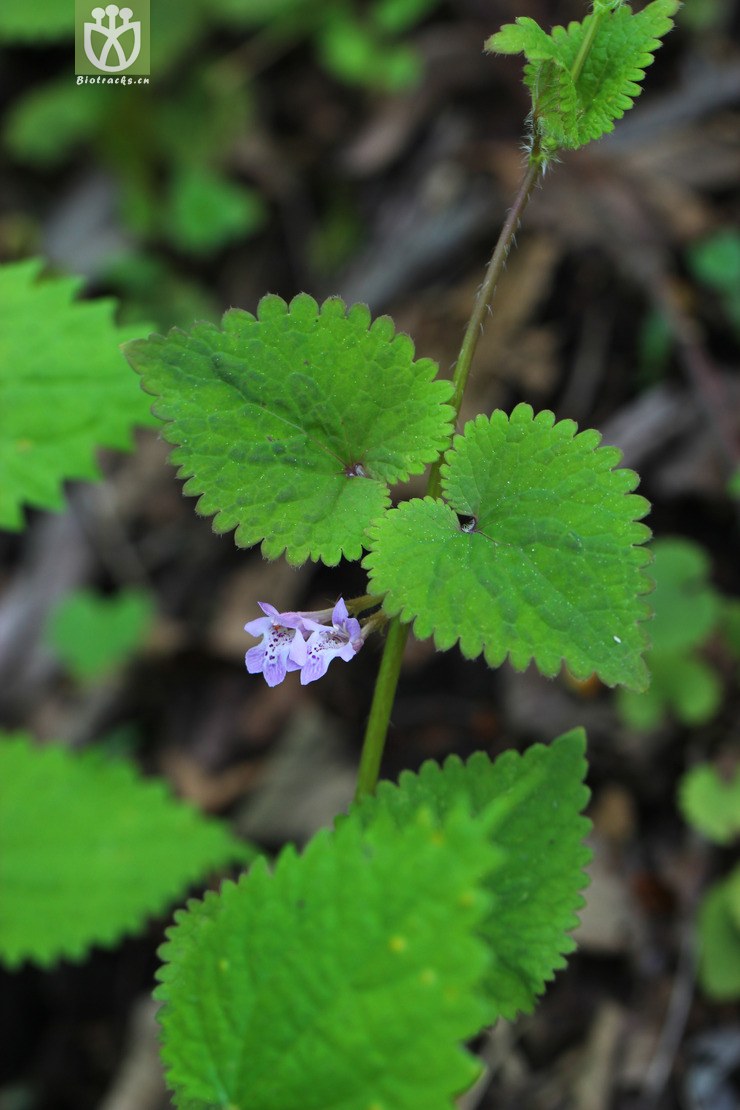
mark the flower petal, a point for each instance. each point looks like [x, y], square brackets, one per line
[258, 627]
[314, 668]
[340, 614]
[255, 659]
[297, 652]
[274, 670]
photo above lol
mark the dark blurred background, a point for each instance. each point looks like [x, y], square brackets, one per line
[370, 150]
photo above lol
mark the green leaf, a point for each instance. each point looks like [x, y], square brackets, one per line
[291, 424]
[719, 937]
[354, 51]
[686, 608]
[347, 978]
[531, 805]
[680, 684]
[523, 37]
[689, 685]
[570, 113]
[705, 17]
[256, 12]
[207, 211]
[643, 711]
[64, 388]
[176, 27]
[88, 850]
[732, 883]
[93, 634]
[711, 803]
[731, 624]
[686, 611]
[716, 262]
[733, 485]
[654, 343]
[546, 569]
[396, 16]
[40, 22]
[46, 124]
[196, 128]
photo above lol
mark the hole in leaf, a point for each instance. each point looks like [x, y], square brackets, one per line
[355, 470]
[467, 523]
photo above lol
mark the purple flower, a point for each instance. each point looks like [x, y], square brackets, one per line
[283, 646]
[300, 642]
[344, 639]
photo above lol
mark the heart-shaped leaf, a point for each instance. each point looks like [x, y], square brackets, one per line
[532, 555]
[347, 978]
[89, 849]
[531, 804]
[64, 388]
[291, 424]
[92, 634]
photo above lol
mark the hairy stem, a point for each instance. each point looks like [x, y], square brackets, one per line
[485, 296]
[390, 664]
[493, 273]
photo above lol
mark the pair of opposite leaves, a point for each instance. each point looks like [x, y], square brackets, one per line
[292, 424]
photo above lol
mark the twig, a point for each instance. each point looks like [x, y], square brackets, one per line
[682, 992]
[636, 242]
[139, 1084]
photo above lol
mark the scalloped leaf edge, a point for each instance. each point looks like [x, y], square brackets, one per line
[270, 306]
[406, 615]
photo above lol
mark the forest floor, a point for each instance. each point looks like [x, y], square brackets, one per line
[604, 315]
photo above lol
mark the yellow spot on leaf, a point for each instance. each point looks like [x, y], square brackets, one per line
[398, 944]
[223, 965]
[428, 977]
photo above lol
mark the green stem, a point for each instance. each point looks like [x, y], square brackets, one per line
[390, 664]
[493, 273]
[380, 710]
[485, 296]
